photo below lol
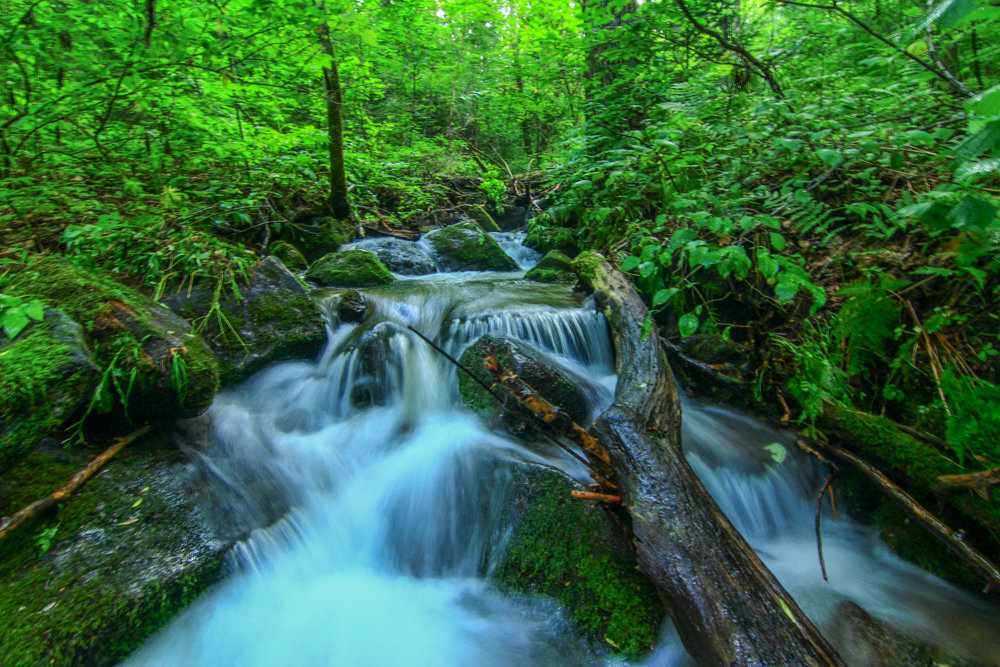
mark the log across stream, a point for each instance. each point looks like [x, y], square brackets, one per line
[360, 488]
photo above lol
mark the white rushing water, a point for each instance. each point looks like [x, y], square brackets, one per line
[362, 490]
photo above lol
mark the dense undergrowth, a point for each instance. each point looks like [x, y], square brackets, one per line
[845, 232]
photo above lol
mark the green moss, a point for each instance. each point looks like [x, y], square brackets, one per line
[133, 339]
[45, 375]
[555, 267]
[289, 255]
[485, 220]
[586, 265]
[349, 268]
[916, 465]
[86, 584]
[566, 549]
[465, 247]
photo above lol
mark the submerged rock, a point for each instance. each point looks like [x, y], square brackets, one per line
[273, 320]
[550, 381]
[349, 268]
[864, 641]
[154, 366]
[46, 374]
[88, 583]
[555, 267]
[289, 255]
[466, 247]
[353, 307]
[406, 257]
[576, 552]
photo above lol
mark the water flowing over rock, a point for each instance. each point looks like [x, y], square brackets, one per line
[399, 256]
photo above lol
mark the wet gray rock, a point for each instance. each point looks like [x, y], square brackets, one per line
[466, 247]
[551, 382]
[400, 256]
[353, 307]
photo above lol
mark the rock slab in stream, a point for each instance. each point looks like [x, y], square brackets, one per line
[89, 583]
[349, 268]
[466, 247]
[46, 374]
[551, 382]
[273, 320]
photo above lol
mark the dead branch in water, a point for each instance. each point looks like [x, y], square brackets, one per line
[953, 539]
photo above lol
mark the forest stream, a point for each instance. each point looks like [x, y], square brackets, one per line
[396, 513]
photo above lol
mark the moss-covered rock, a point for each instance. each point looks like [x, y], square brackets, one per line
[273, 320]
[586, 263]
[289, 255]
[153, 366]
[88, 583]
[551, 382]
[465, 247]
[349, 268]
[485, 219]
[316, 236]
[575, 552]
[544, 239]
[555, 267]
[46, 374]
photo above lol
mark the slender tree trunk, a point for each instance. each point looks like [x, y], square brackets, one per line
[338, 204]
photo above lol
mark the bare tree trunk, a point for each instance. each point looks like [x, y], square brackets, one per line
[728, 608]
[337, 202]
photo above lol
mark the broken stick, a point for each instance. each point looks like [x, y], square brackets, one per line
[954, 540]
[75, 482]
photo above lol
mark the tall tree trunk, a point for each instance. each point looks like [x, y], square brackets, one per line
[337, 202]
[727, 606]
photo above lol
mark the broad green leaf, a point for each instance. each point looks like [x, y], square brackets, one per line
[777, 451]
[831, 156]
[630, 263]
[687, 324]
[777, 241]
[785, 290]
[664, 295]
[970, 170]
[35, 310]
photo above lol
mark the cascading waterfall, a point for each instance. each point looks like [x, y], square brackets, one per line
[359, 488]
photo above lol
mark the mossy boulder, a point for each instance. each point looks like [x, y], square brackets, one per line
[153, 366]
[349, 268]
[273, 320]
[86, 584]
[316, 236]
[289, 255]
[555, 267]
[544, 239]
[551, 382]
[466, 247]
[576, 552]
[46, 375]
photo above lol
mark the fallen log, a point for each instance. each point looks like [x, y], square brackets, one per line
[75, 482]
[727, 606]
[980, 482]
[953, 539]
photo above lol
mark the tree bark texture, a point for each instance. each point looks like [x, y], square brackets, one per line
[340, 207]
[727, 606]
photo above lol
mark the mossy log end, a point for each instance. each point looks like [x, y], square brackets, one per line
[727, 606]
